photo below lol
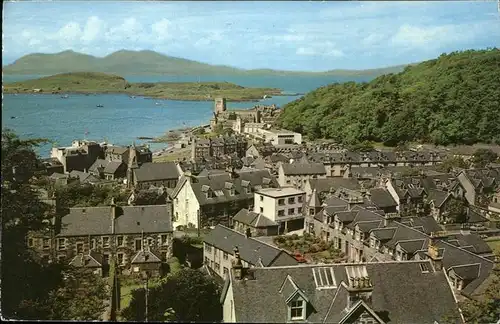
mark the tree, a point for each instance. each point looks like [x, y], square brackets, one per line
[450, 163]
[483, 157]
[80, 297]
[456, 211]
[188, 296]
[149, 197]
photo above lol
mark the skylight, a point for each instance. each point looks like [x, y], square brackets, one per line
[219, 193]
[324, 278]
[424, 267]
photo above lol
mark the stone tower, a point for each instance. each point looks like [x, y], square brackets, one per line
[131, 165]
[220, 105]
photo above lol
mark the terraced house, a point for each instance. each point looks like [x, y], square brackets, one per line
[215, 198]
[138, 237]
[297, 174]
[372, 235]
[390, 292]
[223, 245]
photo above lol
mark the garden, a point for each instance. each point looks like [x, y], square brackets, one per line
[314, 249]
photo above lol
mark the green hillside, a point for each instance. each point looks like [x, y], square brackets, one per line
[149, 63]
[452, 99]
[96, 82]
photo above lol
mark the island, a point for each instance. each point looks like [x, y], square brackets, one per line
[99, 83]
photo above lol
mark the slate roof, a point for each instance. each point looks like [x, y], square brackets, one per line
[438, 196]
[84, 177]
[382, 198]
[303, 169]
[251, 250]
[412, 246]
[428, 223]
[156, 171]
[110, 167]
[252, 178]
[145, 257]
[91, 260]
[474, 240]
[326, 185]
[253, 219]
[401, 291]
[467, 272]
[130, 220]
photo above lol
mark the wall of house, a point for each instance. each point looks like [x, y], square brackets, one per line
[218, 260]
[167, 183]
[228, 313]
[470, 191]
[283, 259]
[390, 188]
[271, 207]
[186, 207]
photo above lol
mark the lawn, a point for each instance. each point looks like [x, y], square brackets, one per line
[494, 244]
[126, 289]
[313, 248]
[178, 154]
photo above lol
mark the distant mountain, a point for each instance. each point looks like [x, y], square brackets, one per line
[126, 62]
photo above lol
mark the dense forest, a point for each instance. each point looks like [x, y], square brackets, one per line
[454, 99]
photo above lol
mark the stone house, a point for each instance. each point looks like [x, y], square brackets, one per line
[329, 185]
[51, 165]
[219, 146]
[84, 177]
[219, 251]
[149, 174]
[390, 292]
[368, 235]
[213, 199]
[79, 156]
[123, 233]
[297, 174]
[254, 224]
[122, 153]
[260, 150]
[109, 170]
[477, 182]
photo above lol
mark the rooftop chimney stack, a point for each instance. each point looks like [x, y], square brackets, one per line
[248, 233]
[237, 265]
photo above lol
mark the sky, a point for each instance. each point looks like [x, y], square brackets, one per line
[300, 36]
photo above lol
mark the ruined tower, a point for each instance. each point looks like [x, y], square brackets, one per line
[131, 165]
[220, 105]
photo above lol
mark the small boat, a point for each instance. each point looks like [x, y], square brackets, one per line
[157, 103]
[99, 106]
[132, 97]
[65, 97]
[12, 117]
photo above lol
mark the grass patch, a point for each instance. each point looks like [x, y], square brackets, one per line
[176, 155]
[494, 244]
[309, 245]
[126, 289]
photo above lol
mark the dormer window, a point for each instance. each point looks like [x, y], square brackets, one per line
[297, 309]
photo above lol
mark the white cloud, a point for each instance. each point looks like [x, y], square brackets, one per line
[320, 49]
[162, 29]
[93, 29]
[68, 33]
[410, 36]
[305, 51]
[130, 30]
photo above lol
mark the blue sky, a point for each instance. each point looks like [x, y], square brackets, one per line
[307, 36]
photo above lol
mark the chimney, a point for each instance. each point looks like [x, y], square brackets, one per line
[248, 233]
[433, 254]
[113, 215]
[237, 265]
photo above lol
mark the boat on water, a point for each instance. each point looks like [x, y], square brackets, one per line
[99, 106]
[65, 97]
[13, 117]
[145, 138]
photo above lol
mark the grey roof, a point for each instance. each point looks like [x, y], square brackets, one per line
[412, 246]
[314, 200]
[84, 177]
[251, 250]
[253, 219]
[56, 175]
[239, 180]
[145, 257]
[438, 196]
[467, 272]
[328, 184]
[303, 168]
[116, 149]
[110, 167]
[156, 171]
[428, 223]
[474, 240]
[91, 260]
[130, 219]
[382, 198]
[401, 291]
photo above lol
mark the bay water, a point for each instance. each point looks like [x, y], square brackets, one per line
[122, 119]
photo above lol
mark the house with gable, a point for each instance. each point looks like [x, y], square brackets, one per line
[390, 292]
[222, 244]
[297, 174]
[215, 198]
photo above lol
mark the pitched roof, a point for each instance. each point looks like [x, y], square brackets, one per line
[474, 240]
[303, 168]
[145, 256]
[251, 250]
[110, 167]
[408, 305]
[438, 196]
[382, 198]
[156, 171]
[328, 184]
[91, 260]
[253, 219]
[130, 219]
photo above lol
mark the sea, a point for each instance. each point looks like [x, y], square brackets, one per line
[120, 119]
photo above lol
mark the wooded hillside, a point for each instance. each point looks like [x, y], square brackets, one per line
[452, 99]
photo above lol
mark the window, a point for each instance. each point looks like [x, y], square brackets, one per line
[281, 202]
[288, 182]
[150, 241]
[105, 242]
[281, 213]
[208, 248]
[226, 256]
[311, 211]
[225, 271]
[138, 244]
[217, 266]
[79, 248]
[120, 258]
[61, 243]
[163, 239]
[297, 309]
[299, 210]
[119, 241]
[291, 200]
[299, 198]
[207, 261]
[261, 198]
[248, 190]
[92, 244]
[261, 209]
[46, 243]
[424, 267]
[291, 211]
[105, 258]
